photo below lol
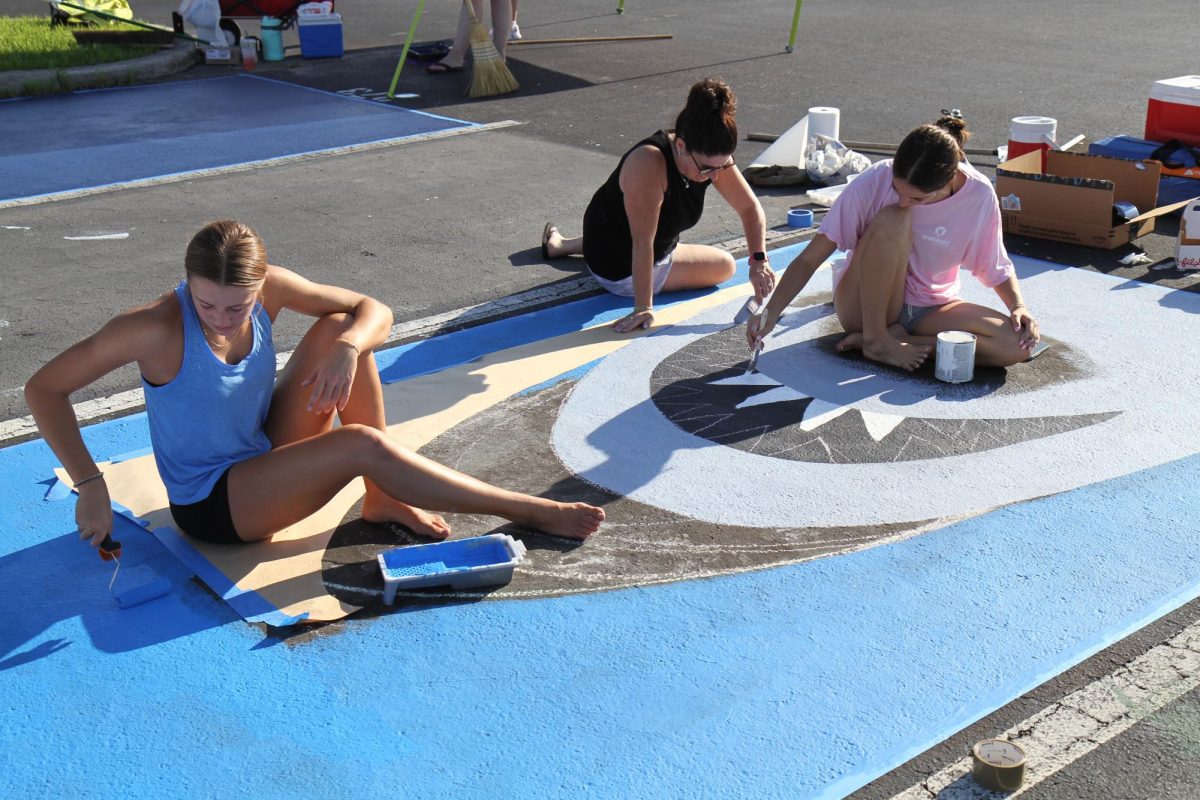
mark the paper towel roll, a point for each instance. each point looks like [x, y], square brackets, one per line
[825, 121]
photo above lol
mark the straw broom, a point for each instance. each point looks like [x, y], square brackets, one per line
[489, 75]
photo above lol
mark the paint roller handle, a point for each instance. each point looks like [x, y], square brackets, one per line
[110, 548]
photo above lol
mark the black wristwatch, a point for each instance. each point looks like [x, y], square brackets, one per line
[759, 256]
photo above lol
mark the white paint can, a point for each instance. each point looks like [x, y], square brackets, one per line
[955, 357]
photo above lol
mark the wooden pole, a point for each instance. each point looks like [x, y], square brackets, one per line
[585, 39]
[870, 147]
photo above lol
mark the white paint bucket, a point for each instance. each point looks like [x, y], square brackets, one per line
[955, 357]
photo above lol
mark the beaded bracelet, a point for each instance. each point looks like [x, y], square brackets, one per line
[89, 479]
[357, 350]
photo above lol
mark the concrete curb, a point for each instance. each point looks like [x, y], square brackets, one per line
[27, 82]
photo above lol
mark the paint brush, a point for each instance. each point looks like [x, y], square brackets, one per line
[750, 309]
[753, 366]
[758, 346]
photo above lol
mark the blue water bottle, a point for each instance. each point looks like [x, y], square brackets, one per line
[272, 39]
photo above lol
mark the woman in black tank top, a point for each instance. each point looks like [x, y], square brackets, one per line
[631, 227]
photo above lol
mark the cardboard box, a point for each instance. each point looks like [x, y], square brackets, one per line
[1073, 200]
[1187, 248]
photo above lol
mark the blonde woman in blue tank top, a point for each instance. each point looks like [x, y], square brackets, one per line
[244, 455]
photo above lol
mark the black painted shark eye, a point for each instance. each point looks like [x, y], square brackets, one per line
[705, 389]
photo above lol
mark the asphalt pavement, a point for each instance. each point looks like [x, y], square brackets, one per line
[432, 227]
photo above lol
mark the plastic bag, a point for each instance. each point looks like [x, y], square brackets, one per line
[830, 162]
[205, 16]
[826, 195]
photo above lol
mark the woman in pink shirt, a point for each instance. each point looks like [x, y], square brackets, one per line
[908, 226]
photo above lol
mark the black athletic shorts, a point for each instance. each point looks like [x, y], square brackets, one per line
[210, 519]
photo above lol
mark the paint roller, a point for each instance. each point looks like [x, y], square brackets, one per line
[110, 550]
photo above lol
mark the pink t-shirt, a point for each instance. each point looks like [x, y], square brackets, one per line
[962, 231]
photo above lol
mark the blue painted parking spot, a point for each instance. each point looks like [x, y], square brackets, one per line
[109, 137]
[806, 680]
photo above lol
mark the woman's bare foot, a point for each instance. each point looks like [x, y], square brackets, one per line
[569, 520]
[897, 353]
[554, 243]
[379, 507]
[853, 341]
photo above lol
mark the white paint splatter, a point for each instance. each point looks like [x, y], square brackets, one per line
[97, 237]
[17, 228]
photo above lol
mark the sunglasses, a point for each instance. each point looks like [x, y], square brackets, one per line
[702, 170]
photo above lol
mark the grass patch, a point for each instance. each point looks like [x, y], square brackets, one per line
[31, 43]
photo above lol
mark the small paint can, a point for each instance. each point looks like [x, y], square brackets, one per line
[998, 765]
[800, 218]
[955, 357]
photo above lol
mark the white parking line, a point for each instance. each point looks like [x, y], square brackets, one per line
[1060, 734]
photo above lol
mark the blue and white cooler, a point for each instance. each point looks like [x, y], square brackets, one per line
[320, 32]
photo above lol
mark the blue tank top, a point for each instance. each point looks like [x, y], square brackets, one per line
[211, 415]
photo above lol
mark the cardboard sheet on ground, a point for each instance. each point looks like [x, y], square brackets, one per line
[279, 581]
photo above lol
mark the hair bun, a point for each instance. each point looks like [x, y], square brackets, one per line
[953, 123]
[708, 121]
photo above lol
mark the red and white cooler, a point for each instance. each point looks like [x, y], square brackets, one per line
[1028, 134]
[1173, 111]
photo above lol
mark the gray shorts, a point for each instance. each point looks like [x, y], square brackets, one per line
[624, 287]
[911, 315]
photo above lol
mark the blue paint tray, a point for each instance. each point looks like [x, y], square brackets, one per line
[458, 563]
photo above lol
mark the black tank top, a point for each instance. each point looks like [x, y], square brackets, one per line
[607, 241]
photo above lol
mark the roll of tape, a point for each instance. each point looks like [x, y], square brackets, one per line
[800, 218]
[1123, 212]
[998, 765]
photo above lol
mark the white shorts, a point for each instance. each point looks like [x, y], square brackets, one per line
[624, 287]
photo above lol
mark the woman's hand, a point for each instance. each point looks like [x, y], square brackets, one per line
[759, 326]
[333, 377]
[1025, 326]
[93, 512]
[640, 318]
[762, 278]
